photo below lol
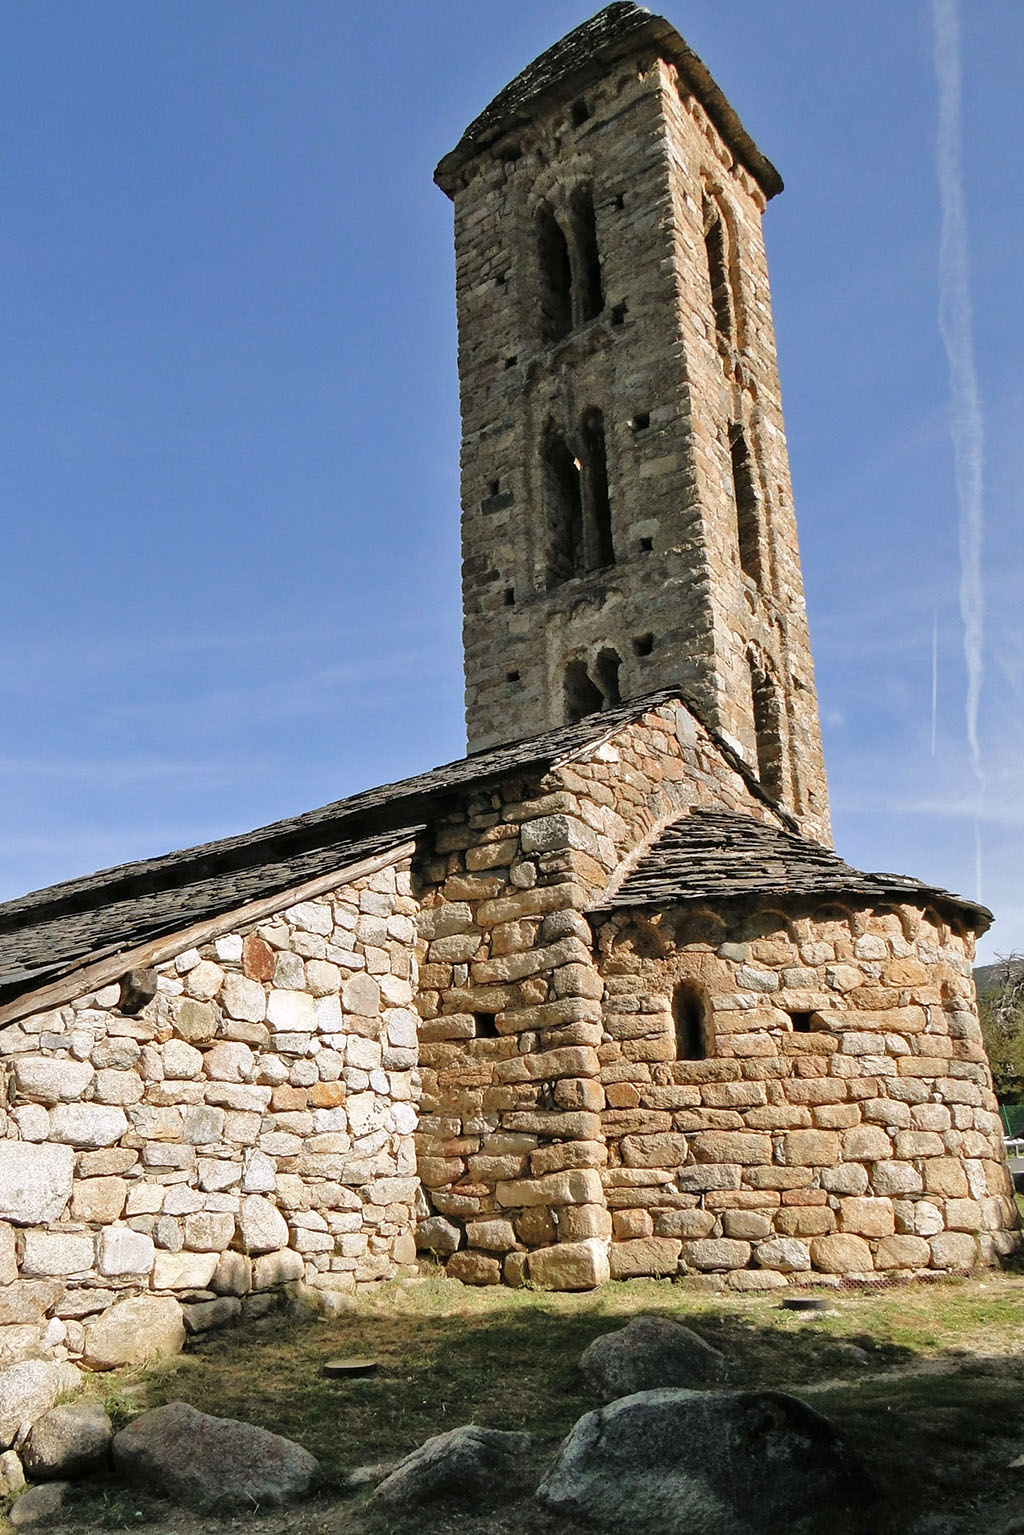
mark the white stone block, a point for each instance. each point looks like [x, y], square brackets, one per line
[260, 1175]
[291, 1011]
[124, 1251]
[181, 1061]
[51, 1080]
[312, 917]
[229, 949]
[49, 1252]
[183, 1271]
[243, 999]
[261, 1225]
[205, 981]
[87, 1125]
[33, 1122]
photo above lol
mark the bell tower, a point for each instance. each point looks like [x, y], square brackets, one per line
[627, 518]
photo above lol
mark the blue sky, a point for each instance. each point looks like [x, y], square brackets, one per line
[229, 463]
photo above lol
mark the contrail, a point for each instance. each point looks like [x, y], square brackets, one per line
[956, 328]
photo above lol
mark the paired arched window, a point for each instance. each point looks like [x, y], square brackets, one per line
[767, 709]
[579, 518]
[691, 1016]
[571, 289]
[588, 690]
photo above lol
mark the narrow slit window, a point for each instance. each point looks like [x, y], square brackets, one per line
[718, 273]
[598, 548]
[767, 731]
[555, 277]
[691, 1015]
[748, 511]
[563, 485]
[590, 290]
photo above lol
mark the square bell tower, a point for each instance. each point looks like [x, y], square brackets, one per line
[627, 514]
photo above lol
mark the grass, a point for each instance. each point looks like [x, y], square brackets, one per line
[923, 1377]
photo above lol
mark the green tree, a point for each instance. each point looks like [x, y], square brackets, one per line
[1001, 1005]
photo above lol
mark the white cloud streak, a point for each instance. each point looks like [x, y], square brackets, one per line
[955, 324]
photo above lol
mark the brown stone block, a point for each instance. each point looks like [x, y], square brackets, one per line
[578, 1222]
[622, 1095]
[805, 1197]
[964, 1215]
[570, 1265]
[631, 1223]
[810, 1148]
[475, 1268]
[836, 1116]
[866, 1216]
[814, 1091]
[564, 1124]
[98, 1200]
[779, 1116]
[258, 959]
[716, 1253]
[734, 1095]
[902, 1252]
[778, 1177]
[575, 1186]
[945, 1176]
[652, 1256]
[565, 1154]
[435, 1172]
[866, 1143]
[741, 1199]
[918, 1143]
[747, 1225]
[841, 1254]
[327, 1095]
[804, 1221]
[536, 1227]
[742, 1147]
[496, 1169]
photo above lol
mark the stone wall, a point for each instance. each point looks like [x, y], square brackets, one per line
[249, 1126]
[843, 1120]
[510, 1141]
[561, 1138]
[699, 588]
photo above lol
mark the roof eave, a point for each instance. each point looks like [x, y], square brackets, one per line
[490, 126]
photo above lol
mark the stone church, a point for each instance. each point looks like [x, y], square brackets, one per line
[598, 999]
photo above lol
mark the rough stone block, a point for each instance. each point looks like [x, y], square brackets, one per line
[51, 1080]
[122, 1251]
[474, 1268]
[570, 1265]
[810, 1148]
[953, 1250]
[35, 1181]
[841, 1254]
[653, 1256]
[183, 1271]
[902, 1252]
[868, 1217]
[277, 1268]
[57, 1252]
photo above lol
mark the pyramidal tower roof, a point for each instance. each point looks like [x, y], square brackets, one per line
[620, 30]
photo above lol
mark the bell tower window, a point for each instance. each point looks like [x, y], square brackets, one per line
[717, 253]
[563, 489]
[589, 288]
[748, 512]
[598, 532]
[555, 277]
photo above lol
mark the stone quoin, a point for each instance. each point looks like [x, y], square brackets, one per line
[598, 1000]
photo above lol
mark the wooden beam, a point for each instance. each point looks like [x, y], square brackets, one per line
[91, 976]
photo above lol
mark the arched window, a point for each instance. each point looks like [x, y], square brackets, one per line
[691, 1014]
[587, 261]
[597, 505]
[588, 690]
[582, 697]
[748, 511]
[563, 493]
[555, 277]
[606, 673]
[767, 729]
[718, 272]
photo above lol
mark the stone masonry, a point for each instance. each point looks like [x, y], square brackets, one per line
[648, 413]
[249, 1126]
[596, 1002]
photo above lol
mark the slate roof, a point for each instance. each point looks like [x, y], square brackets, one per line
[583, 55]
[49, 932]
[714, 855]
